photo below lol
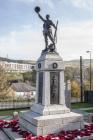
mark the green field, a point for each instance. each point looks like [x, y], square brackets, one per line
[81, 105]
[10, 111]
[73, 106]
[89, 111]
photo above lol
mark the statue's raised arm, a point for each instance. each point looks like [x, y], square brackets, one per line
[41, 17]
[47, 30]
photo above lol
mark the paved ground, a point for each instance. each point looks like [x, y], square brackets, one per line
[3, 136]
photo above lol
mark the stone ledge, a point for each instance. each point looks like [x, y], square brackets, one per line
[30, 127]
[3, 136]
[39, 120]
[42, 125]
[53, 128]
[12, 135]
[85, 138]
[49, 110]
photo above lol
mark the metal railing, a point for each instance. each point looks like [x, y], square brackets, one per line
[15, 104]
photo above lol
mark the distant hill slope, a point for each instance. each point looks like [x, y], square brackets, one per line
[76, 63]
[71, 63]
[18, 61]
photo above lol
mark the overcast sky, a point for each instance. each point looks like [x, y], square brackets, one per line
[21, 29]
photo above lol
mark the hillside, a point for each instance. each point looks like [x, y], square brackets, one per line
[76, 63]
[17, 61]
[71, 63]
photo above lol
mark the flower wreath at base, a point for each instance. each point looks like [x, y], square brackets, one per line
[63, 135]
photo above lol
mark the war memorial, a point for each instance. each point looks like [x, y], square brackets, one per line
[49, 114]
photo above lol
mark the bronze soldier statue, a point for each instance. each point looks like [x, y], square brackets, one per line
[47, 30]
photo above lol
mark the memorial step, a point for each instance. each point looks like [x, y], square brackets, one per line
[7, 134]
[11, 135]
[3, 136]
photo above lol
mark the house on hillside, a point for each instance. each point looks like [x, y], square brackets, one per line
[17, 65]
[23, 90]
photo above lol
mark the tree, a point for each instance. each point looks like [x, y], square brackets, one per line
[14, 77]
[4, 84]
[72, 73]
[68, 73]
[27, 76]
[86, 85]
[75, 89]
[30, 77]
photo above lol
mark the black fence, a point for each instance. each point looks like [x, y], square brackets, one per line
[88, 96]
[15, 104]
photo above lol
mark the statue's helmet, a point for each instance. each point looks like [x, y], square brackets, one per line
[47, 16]
[37, 9]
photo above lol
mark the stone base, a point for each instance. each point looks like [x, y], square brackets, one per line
[49, 110]
[42, 125]
[13, 136]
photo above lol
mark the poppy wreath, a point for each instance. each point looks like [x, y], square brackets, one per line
[62, 135]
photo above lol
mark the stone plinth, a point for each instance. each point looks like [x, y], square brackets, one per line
[49, 114]
[43, 125]
[50, 98]
[49, 110]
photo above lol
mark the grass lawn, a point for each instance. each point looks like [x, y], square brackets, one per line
[89, 111]
[73, 106]
[81, 105]
[10, 111]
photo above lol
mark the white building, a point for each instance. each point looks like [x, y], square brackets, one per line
[17, 67]
[24, 90]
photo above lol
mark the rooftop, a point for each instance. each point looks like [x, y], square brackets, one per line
[22, 87]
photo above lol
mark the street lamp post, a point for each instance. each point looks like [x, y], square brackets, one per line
[81, 80]
[90, 68]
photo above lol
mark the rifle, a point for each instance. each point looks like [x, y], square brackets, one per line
[55, 34]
